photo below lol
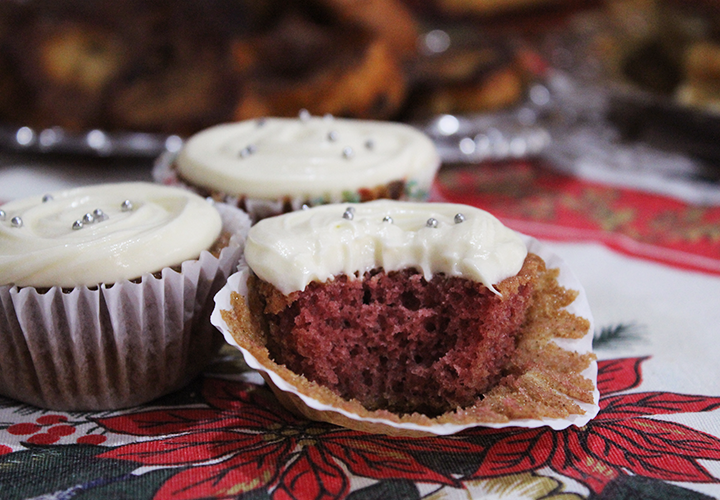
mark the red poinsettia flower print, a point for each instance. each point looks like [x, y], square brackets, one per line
[246, 441]
[619, 440]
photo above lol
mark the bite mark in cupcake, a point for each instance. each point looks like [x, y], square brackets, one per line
[405, 317]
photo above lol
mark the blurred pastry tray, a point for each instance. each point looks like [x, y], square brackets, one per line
[507, 135]
[666, 124]
[93, 143]
[460, 139]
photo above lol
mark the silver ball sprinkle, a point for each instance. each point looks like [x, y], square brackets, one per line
[88, 218]
[247, 151]
[78, 224]
[305, 206]
[459, 218]
[126, 206]
[370, 144]
[349, 213]
[261, 122]
[3, 215]
[304, 115]
[348, 152]
[332, 136]
[46, 198]
[16, 221]
[99, 215]
[387, 218]
[431, 222]
[328, 117]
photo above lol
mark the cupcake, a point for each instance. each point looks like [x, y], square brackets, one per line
[106, 292]
[275, 165]
[411, 318]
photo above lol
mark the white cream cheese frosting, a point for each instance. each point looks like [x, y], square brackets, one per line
[313, 158]
[291, 250]
[102, 234]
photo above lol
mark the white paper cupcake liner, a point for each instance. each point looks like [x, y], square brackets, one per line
[260, 208]
[298, 399]
[118, 345]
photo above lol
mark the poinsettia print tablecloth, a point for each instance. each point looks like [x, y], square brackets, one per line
[650, 264]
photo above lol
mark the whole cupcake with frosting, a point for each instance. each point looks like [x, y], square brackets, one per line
[269, 166]
[106, 292]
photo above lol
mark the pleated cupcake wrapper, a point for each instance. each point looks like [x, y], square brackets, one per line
[300, 401]
[118, 345]
[260, 208]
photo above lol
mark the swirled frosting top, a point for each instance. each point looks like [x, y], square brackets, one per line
[102, 234]
[291, 250]
[313, 157]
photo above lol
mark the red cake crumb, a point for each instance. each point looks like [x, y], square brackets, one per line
[395, 341]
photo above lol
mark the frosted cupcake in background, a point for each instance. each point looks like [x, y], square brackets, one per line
[270, 166]
[106, 292]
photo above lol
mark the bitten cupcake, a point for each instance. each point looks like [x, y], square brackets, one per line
[411, 318]
[106, 292]
[273, 165]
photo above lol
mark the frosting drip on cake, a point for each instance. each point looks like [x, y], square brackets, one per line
[102, 234]
[286, 157]
[291, 250]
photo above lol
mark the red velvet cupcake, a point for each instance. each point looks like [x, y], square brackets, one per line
[414, 318]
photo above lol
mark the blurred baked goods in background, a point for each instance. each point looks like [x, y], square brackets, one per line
[479, 56]
[69, 68]
[338, 68]
[701, 85]
[667, 49]
[178, 67]
[646, 69]
[123, 65]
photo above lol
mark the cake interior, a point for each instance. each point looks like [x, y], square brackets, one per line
[396, 341]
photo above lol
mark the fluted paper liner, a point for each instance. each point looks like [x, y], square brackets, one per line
[315, 402]
[118, 345]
